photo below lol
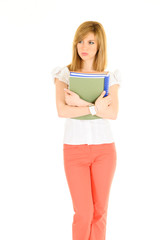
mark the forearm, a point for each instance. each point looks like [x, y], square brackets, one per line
[109, 113]
[84, 103]
[70, 112]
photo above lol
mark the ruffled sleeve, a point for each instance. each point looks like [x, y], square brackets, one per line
[62, 73]
[115, 78]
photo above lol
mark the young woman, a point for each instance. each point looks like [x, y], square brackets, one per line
[88, 147]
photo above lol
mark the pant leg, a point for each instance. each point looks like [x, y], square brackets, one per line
[102, 172]
[77, 169]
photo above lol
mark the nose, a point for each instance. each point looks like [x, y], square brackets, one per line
[84, 45]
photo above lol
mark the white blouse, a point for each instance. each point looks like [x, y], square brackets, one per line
[96, 131]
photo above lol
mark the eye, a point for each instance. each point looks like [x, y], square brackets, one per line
[89, 42]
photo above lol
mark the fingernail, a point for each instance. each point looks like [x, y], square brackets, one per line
[65, 88]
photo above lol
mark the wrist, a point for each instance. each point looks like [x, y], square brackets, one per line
[96, 108]
[93, 109]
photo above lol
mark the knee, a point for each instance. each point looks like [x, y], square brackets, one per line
[85, 216]
[100, 213]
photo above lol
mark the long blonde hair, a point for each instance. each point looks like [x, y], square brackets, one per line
[100, 61]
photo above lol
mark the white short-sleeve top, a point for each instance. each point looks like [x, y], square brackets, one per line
[78, 131]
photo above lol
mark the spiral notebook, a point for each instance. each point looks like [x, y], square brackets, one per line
[88, 86]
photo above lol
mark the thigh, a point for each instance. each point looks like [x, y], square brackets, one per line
[77, 170]
[102, 172]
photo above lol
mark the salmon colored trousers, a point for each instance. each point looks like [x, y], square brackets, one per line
[89, 172]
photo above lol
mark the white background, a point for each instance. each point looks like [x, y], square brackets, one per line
[36, 36]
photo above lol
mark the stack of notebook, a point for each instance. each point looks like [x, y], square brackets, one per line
[88, 86]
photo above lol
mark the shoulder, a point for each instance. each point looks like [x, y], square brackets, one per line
[62, 73]
[115, 77]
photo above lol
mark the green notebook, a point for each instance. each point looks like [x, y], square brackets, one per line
[88, 86]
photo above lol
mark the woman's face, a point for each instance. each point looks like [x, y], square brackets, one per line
[87, 45]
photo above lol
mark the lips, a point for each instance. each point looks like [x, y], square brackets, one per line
[84, 53]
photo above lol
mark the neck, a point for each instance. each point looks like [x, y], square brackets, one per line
[87, 66]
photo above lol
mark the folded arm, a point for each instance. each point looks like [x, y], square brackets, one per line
[111, 111]
[66, 111]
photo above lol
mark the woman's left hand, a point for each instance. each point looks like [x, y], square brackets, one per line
[102, 103]
[72, 98]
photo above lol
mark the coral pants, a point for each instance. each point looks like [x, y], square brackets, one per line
[89, 172]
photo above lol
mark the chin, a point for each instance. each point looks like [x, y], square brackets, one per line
[85, 57]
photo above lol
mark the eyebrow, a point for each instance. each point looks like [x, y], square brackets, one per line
[90, 40]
